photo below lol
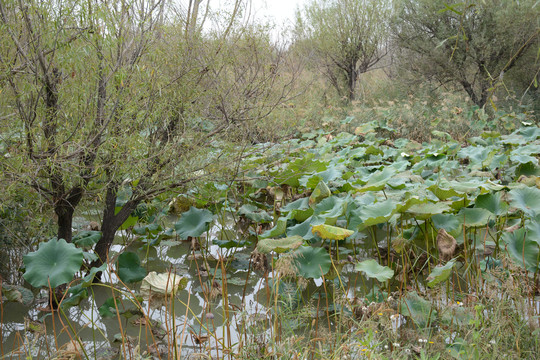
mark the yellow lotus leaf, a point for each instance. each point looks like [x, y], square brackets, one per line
[331, 232]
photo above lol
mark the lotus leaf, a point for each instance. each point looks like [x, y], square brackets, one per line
[475, 217]
[278, 230]
[129, 267]
[422, 313]
[86, 239]
[523, 251]
[279, 245]
[299, 210]
[378, 180]
[440, 273]
[162, 284]
[312, 263]
[329, 232]
[372, 269]
[427, 210]
[448, 222]
[331, 209]
[526, 200]
[377, 213]
[18, 294]
[320, 192]
[255, 214]
[54, 262]
[193, 223]
[491, 202]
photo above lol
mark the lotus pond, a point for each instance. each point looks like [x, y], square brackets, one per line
[331, 245]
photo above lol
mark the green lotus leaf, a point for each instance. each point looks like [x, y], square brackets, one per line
[298, 210]
[278, 230]
[193, 222]
[448, 222]
[279, 245]
[440, 273]
[17, 293]
[329, 232]
[524, 159]
[229, 244]
[421, 311]
[129, 267]
[54, 262]
[148, 229]
[523, 251]
[526, 199]
[445, 193]
[86, 239]
[427, 210]
[255, 214]
[378, 180]
[312, 263]
[331, 209]
[76, 294]
[474, 217]
[491, 202]
[372, 269]
[377, 213]
[533, 230]
[320, 192]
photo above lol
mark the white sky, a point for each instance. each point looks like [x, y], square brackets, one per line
[280, 11]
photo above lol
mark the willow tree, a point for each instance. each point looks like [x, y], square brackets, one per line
[106, 99]
[472, 44]
[347, 38]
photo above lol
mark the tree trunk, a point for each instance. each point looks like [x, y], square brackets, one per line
[351, 83]
[111, 222]
[65, 221]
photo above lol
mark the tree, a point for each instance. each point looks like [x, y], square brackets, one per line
[472, 44]
[112, 102]
[347, 37]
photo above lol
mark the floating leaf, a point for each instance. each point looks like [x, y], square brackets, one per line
[418, 309]
[312, 263]
[329, 232]
[440, 273]
[279, 245]
[193, 223]
[162, 284]
[372, 269]
[55, 261]
[129, 267]
[320, 192]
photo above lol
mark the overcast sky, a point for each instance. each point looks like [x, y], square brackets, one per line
[281, 11]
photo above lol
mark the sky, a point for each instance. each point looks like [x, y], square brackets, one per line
[280, 11]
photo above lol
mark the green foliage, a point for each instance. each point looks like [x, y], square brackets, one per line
[347, 36]
[471, 43]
